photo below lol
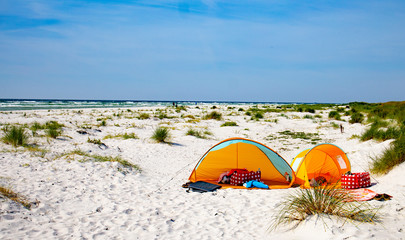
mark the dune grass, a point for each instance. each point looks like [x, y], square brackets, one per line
[53, 129]
[124, 136]
[229, 124]
[198, 134]
[95, 141]
[322, 201]
[356, 117]
[161, 135]
[381, 130]
[15, 135]
[334, 115]
[100, 158]
[213, 115]
[391, 157]
[18, 198]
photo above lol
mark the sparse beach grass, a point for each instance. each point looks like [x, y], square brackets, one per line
[100, 158]
[124, 136]
[322, 201]
[198, 133]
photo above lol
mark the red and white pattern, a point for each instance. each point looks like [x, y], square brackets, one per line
[238, 179]
[356, 180]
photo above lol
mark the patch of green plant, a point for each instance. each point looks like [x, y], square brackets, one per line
[15, 135]
[53, 129]
[334, 115]
[161, 134]
[213, 115]
[124, 136]
[143, 116]
[181, 108]
[356, 117]
[229, 124]
[334, 125]
[257, 116]
[95, 141]
[380, 130]
[15, 197]
[391, 157]
[308, 116]
[322, 201]
[311, 137]
[197, 134]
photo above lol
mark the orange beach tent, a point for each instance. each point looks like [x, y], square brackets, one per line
[243, 153]
[323, 160]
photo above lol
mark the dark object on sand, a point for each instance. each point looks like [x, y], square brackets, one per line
[201, 186]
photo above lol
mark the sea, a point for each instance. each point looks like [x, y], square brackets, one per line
[32, 104]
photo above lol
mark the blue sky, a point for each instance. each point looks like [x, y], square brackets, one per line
[305, 51]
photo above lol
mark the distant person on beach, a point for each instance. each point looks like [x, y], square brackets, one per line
[341, 128]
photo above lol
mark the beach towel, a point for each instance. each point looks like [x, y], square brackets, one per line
[362, 194]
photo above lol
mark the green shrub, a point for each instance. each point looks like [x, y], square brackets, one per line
[195, 133]
[213, 115]
[15, 136]
[310, 110]
[143, 116]
[356, 118]
[161, 134]
[258, 115]
[334, 115]
[229, 124]
[53, 129]
[322, 201]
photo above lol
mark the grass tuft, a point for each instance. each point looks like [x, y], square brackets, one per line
[322, 201]
[198, 134]
[213, 115]
[161, 134]
[15, 135]
[53, 129]
[229, 124]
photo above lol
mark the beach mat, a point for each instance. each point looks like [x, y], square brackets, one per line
[362, 194]
[202, 186]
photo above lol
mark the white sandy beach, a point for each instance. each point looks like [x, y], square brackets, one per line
[94, 200]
